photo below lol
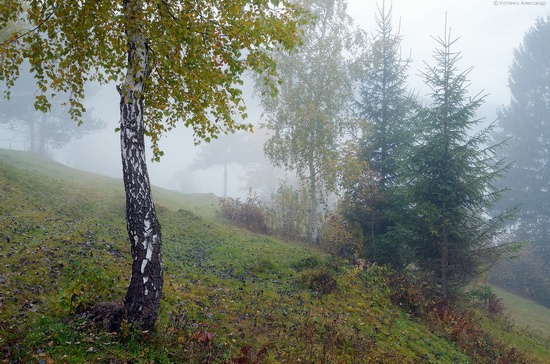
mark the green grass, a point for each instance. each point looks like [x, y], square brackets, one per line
[524, 325]
[526, 315]
[229, 295]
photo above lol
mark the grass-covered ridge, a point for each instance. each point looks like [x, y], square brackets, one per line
[229, 296]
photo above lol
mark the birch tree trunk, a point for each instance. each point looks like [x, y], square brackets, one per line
[225, 180]
[314, 207]
[145, 289]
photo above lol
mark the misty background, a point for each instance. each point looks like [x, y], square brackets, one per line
[489, 32]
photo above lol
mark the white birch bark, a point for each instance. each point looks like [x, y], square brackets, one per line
[145, 289]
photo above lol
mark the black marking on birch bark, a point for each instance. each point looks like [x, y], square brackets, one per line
[145, 289]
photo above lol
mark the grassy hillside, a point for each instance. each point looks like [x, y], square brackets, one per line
[230, 296]
[526, 325]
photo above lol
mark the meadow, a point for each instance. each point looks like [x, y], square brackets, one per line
[230, 296]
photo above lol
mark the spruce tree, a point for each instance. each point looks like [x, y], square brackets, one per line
[384, 109]
[525, 126]
[450, 175]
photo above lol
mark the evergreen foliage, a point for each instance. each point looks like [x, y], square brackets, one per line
[384, 106]
[525, 125]
[450, 175]
[384, 110]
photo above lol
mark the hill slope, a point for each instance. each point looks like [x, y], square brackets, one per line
[230, 295]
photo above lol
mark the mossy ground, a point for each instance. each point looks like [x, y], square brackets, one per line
[229, 295]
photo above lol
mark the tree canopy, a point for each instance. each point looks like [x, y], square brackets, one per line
[236, 148]
[307, 117]
[199, 51]
[384, 110]
[524, 125]
[39, 131]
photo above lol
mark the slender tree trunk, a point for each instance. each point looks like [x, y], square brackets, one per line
[372, 236]
[225, 180]
[32, 145]
[445, 264]
[145, 289]
[313, 224]
[42, 135]
[313, 212]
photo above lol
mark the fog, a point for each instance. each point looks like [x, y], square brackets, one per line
[489, 31]
[100, 152]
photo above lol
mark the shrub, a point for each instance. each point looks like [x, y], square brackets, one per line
[495, 306]
[480, 294]
[248, 214]
[411, 292]
[306, 263]
[318, 280]
[288, 212]
[264, 266]
[340, 237]
[491, 302]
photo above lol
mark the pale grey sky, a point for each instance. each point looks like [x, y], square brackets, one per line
[489, 30]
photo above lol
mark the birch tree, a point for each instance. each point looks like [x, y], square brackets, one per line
[175, 62]
[306, 117]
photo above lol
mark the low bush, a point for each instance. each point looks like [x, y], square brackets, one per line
[411, 292]
[306, 263]
[248, 214]
[340, 237]
[264, 266]
[484, 296]
[461, 327]
[287, 212]
[495, 306]
[318, 280]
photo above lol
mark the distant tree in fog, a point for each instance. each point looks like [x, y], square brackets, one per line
[307, 116]
[525, 125]
[39, 130]
[184, 181]
[236, 148]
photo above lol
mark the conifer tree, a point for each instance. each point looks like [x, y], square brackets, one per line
[525, 126]
[384, 110]
[450, 176]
